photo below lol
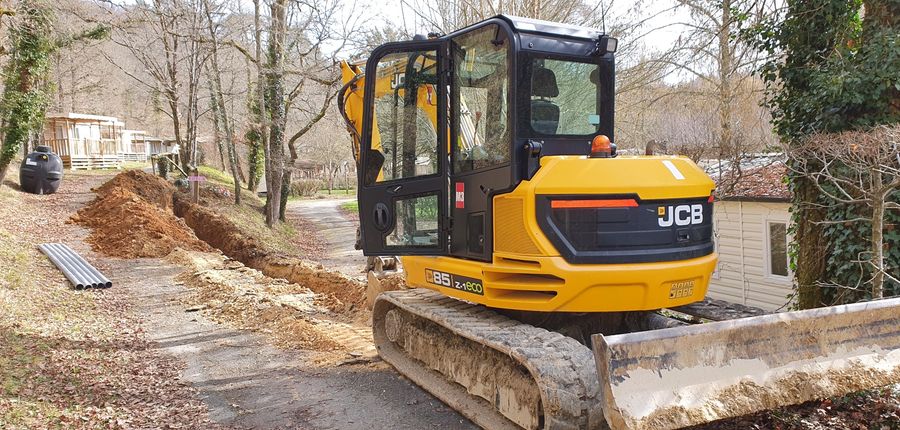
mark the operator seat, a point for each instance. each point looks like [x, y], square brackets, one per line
[544, 113]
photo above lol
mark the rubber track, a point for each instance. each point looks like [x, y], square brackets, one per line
[563, 369]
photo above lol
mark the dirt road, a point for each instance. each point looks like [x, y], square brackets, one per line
[243, 381]
[338, 230]
[247, 383]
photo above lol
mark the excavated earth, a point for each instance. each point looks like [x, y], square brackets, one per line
[298, 303]
[137, 214]
[132, 217]
[221, 233]
[292, 315]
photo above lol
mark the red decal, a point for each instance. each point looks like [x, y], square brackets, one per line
[460, 195]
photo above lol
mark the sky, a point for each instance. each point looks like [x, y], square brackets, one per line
[391, 12]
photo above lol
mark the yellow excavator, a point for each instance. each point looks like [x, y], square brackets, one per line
[556, 283]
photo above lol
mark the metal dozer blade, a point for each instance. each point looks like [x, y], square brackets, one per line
[677, 377]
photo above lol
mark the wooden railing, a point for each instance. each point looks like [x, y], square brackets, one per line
[83, 147]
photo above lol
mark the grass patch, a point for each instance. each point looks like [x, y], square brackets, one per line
[323, 194]
[135, 165]
[216, 175]
[15, 260]
[351, 206]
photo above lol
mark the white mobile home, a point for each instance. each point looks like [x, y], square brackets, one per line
[751, 227]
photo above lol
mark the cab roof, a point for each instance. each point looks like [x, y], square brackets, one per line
[537, 26]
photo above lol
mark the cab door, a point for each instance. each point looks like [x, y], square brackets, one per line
[404, 158]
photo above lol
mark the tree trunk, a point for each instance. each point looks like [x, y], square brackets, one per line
[726, 55]
[883, 16]
[878, 235]
[217, 128]
[4, 168]
[811, 244]
[25, 92]
[285, 192]
[220, 111]
[276, 108]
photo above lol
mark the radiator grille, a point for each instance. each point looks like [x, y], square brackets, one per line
[509, 227]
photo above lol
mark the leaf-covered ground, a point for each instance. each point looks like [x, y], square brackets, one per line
[867, 410]
[74, 359]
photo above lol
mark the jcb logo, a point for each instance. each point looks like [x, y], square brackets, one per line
[680, 215]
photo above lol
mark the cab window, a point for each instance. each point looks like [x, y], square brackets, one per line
[479, 105]
[404, 139]
[565, 97]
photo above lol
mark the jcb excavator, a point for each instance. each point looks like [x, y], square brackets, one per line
[485, 161]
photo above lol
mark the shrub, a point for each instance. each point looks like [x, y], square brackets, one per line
[306, 187]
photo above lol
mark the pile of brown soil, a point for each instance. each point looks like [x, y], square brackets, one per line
[150, 187]
[132, 217]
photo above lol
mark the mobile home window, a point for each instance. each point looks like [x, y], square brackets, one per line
[778, 256]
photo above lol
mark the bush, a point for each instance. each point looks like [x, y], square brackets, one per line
[306, 187]
[162, 164]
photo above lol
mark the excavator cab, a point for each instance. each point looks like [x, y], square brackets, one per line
[452, 121]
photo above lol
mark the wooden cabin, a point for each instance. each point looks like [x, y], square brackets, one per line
[84, 141]
[134, 146]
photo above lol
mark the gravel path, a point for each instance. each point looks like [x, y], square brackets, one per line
[247, 383]
[242, 380]
[338, 230]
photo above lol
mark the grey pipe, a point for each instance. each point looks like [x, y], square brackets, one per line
[79, 264]
[83, 277]
[101, 281]
[72, 264]
[74, 278]
[71, 276]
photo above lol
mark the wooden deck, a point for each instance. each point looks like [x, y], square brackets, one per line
[133, 156]
[83, 162]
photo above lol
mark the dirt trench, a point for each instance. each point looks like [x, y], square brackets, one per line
[222, 234]
[136, 214]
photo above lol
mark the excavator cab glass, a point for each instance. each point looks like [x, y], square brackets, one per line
[447, 122]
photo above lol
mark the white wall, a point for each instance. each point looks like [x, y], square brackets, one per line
[743, 275]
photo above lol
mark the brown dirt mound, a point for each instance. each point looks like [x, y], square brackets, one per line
[130, 218]
[151, 188]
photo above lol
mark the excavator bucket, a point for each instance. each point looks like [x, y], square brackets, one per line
[677, 377]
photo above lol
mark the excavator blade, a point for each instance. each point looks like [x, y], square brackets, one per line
[677, 377]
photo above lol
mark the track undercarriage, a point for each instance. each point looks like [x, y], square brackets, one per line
[519, 370]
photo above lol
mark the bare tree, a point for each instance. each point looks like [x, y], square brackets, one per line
[857, 168]
[276, 109]
[710, 51]
[221, 119]
[171, 61]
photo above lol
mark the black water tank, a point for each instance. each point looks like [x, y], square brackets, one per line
[41, 171]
